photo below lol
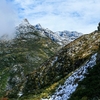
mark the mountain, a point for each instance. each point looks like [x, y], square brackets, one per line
[32, 66]
[60, 37]
[65, 37]
[66, 68]
[25, 27]
[63, 92]
[22, 54]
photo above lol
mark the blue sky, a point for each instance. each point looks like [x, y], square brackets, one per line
[57, 15]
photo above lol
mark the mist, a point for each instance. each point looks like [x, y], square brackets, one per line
[8, 19]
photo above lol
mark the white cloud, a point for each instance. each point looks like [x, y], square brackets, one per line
[8, 18]
[78, 15]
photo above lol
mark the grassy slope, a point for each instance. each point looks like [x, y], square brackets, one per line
[45, 92]
[29, 53]
[74, 54]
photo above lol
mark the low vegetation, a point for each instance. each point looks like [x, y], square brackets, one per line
[36, 80]
[65, 61]
[25, 52]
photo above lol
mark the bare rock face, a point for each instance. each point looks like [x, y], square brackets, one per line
[25, 21]
[99, 26]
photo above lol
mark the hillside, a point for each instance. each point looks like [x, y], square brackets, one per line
[89, 88]
[44, 80]
[31, 46]
[33, 67]
[22, 55]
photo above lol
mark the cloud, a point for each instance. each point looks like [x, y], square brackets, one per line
[78, 15]
[8, 18]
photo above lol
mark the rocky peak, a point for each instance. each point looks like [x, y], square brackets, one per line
[60, 37]
[25, 21]
[99, 26]
[25, 27]
[38, 26]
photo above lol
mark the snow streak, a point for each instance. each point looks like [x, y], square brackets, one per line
[64, 92]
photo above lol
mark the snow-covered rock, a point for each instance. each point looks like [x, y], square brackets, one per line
[67, 36]
[25, 27]
[64, 92]
[60, 37]
[38, 26]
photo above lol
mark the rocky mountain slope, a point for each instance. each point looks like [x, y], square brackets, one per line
[89, 87]
[60, 37]
[32, 68]
[43, 81]
[19, 56]
[67, 36]
[63, 92]
[22, 55]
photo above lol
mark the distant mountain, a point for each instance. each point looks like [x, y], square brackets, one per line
[60, 37]
[66, 37]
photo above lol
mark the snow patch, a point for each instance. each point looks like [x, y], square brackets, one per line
[20, 94]
[64, 92]
[55, 59]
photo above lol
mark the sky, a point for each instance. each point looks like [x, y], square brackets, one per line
[57, 15]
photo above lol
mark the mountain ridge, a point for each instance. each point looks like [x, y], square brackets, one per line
[21, 55]
[63, 39]
[69, 58]
[32, 66]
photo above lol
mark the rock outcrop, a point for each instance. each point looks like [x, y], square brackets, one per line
[99, 26]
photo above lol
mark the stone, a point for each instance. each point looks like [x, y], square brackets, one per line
[99, 26]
